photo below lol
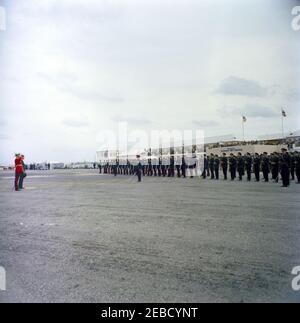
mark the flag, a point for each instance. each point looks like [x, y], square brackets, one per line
[244, 119]
[283, 113]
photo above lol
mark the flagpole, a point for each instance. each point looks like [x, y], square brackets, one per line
[282, 124]
[243, 128]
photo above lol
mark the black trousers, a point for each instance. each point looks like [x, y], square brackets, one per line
[256, 172]
[159, 170]
[298, 173]
[183, 170]
[150, 170]
[178, 170]
[225, 168]
[266, 174]
[248, 170]
[241, 173]
[293, 172]
[217, 172]
[139, 175]
[285, 175]
[232, 170]
[155, 170]
[22, 176]
[275, 172]
[212, 175]
[172, 170]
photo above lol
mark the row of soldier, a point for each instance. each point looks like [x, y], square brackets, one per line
[163, 166]
[284, 163]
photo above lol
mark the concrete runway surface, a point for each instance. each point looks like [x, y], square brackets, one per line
[77, 236]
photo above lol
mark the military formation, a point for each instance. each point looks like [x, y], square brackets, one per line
[284, 166]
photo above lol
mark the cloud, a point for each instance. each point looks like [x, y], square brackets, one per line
[256, 110]
[76, 122]
[239, 86]
[205, 123]
[135, 120]
[293, 95]
[68, 83]
[249, 110]
[4, 137]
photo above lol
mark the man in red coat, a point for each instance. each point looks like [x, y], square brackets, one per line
[19, 170]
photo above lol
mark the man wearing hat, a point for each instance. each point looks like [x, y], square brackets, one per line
[297, 166]
[224, 165]
[274, 166]
[216, 166]
[256, 166]
[139, 168]
[212, 166]
[265, 166]
[232, 166]
[248, 165]
[292, 166]
[23, 174]
[284, 164]
[240, 165]
[18, 170]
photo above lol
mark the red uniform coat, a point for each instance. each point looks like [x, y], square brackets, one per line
[18, 165]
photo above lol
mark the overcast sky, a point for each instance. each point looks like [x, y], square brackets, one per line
[70, 68]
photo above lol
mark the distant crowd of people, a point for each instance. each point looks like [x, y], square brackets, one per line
[285, 164]
[34, 166]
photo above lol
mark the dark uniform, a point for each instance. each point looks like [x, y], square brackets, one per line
[138, 169]
[292, 167]
[240, 166]
[265, 166]
[178, 162]
[274, 160]
[248, 165]
[172, 167]
[297, 166]
[211, 166]
[232, 166]
[224, 165]
[159, 167]
[284, 164]
[183, 167]
[205, 167]
[216, 166]
[208, 173]
[150, 168]
[23, 174]
[256, 166]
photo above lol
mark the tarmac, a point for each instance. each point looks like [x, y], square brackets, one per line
[77, 236]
